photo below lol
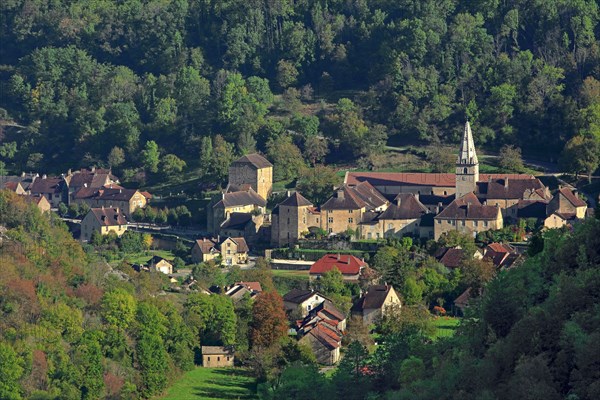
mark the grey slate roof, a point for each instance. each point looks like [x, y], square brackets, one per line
[296, 200]
[255, 160]
[234, 199]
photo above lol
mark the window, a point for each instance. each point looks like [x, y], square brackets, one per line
[377, 235]
[369, 235]
[349, 211]
[330, 220]
[228, 251]
[439, 221]
[304, 220]
[330, 230]
[485, 223]
[350, 220]
[462, 223]
[227, 358]
[453, 222]
[288, 221]
[308, 307]
[317, 220]
[390, 226]
[465, 171]
[208, 358]
[445, 193]
[475, 224]
[218, 358]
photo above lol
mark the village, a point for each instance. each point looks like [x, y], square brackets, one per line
[327, 241]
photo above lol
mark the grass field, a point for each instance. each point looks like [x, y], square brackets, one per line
[290, 273]
[445, 327]
[213, 383]
[142, 258]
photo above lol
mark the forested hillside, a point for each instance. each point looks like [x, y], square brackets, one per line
[143, 84]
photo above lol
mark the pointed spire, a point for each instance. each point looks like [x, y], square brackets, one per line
[467, 154]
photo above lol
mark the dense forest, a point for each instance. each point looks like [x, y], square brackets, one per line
[155, 85]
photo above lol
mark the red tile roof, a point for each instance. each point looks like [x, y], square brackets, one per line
[452, 258]
[251, 285]
[418, 178]
[347, 264]
[468, 207]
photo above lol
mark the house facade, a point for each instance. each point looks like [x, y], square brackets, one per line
[217, 356]
[376, 303]
[467, 215]
[103, 221]
[302, 301]
[127, 200]
[229, 251]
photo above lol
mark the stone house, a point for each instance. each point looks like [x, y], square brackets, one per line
[231, 250]
[54, 189]
[103, 221]
[506, 193]
[92, 178]
[402, 217]
[343, 211]
[112, 195]
[467, 215]
[376, 303]
[302, 301]
[292, 218]
[222, 207]
[159, 264]
[324, 341]
[217, 356]
[40, 201]
[19, 184]
[349, 265]
[252, 170]
[567, 204]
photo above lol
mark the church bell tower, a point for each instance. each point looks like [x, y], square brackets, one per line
[467, 166]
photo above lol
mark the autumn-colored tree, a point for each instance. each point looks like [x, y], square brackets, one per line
[269, 323]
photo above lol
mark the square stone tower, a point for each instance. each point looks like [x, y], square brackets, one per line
[252, 170]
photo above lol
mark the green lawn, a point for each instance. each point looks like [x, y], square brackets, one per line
[213, 383]
[142, 258]
[290, 273]
[445, 326]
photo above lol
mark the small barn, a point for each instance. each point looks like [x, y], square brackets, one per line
[217, 356]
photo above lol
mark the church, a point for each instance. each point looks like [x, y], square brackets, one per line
[377, 205]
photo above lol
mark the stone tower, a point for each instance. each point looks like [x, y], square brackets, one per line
[252, 170]
[467, 166]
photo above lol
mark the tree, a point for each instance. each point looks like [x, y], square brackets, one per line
[287, 74]
[153, 363]
[3, 170]
[10, 373]
[150, 156]
[476, 273]
[172, 165]
[581, 155]
[317, 183]
[315, 149]
[116, 157]
[510, 159]
[118, 308]
[206, 154]
[212, 318]
[441, 158]
[286, 156]
[222, 157]
[269, 323]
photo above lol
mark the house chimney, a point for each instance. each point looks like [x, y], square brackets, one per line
[338, 256]
[69, 172]
[44, 176]
[23, 174]
[506, 183]
[417, 196]
[93, 169]
[340, 194]
[85, 184]
[288, 193]
[120, 191]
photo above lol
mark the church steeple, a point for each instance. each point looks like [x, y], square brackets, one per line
[467, 154]
[467, 165]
